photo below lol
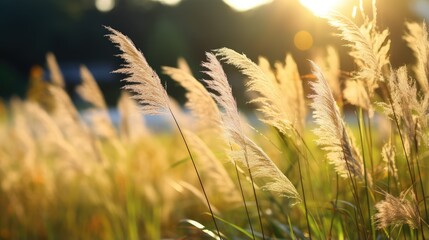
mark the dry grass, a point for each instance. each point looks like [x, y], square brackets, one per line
[325, 178]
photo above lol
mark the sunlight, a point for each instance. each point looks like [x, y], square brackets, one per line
[169, 2]
[244, 5]
[104, 5]
[320, 7]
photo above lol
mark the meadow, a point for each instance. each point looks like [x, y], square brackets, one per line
[304, 172]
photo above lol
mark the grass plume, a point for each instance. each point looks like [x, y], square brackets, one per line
[331, 132]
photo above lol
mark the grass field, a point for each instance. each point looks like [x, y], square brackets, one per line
[212, 175]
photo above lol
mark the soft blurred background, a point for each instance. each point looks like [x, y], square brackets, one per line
[165, 30]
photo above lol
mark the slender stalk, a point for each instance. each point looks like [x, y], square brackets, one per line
[403, 233]
[335, 208]
[418, 170]
[402, 143]
[355, 196]
[295, 146]
[302, 188]
[355, 210]
[279, 206]
[303, 197]
[304, 155]
[254, 193]
[368, 135]
[308, 173]
[196, 171]
[318, 203]
[360, 119]
[244, 199]
[304, 142]
[422, 187]
[412, 176]
[388, 177]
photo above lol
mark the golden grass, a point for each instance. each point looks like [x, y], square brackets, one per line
[326, 178]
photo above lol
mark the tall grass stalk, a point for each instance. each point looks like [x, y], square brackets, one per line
[367, 186]
[355, 194]
[145, 83]
[419, 172]
[197, 172]
[334, 209]
[304, 198]
[252, 182]
[219, 85]
[205, 110]
[310, 183]
[369, 139]
[302, 185]
[242, 197]
[409, 164]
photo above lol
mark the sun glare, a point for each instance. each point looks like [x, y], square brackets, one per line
[104, 5]
[169, 2]
[244, 5]
[320, 7]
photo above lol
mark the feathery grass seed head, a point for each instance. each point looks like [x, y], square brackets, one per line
[395, 211]
[141, 78]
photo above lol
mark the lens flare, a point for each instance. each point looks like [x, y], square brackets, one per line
[104, 5]
[320, 7]
[303, 40]
[170, 2]
[244, 5]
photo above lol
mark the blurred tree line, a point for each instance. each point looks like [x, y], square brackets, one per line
[73, 31]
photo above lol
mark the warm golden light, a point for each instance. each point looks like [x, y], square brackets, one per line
[303, 40]
[104, 5]
[169, 2]
[320, 7]
[244, 5]
[354, 11]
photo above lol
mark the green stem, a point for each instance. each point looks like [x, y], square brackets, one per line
[360, 119]
[302, 188]
[335, 208]
[303, 196]
[254, 193]
[368, 136]
[354, 193]
[304, 142]
[310, 183]
[418, 169]
[197, 172]
[243, 198]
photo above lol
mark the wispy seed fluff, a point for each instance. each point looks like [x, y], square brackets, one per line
[395, 211]
[89, 91]
[281, 98]
[417, 40]
[199, 101]
[330, 65]
[388, 153]
[263, 169]
[214, 171]
[332, 134]
[369, 46]
[407, 105]
[132, 124]
[56, 76]
[142, 79]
